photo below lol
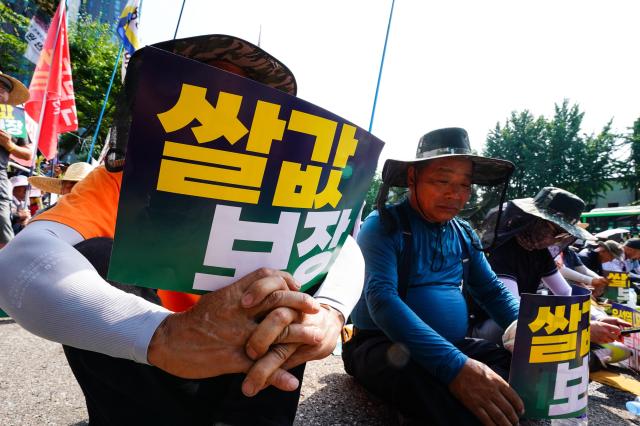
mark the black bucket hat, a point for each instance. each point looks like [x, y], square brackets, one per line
[447, 143]
[259, 66]
[558, 206]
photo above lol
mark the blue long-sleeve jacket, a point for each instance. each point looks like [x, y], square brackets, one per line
[434, 315]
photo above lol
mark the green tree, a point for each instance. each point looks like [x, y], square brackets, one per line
[93, 53]
[631, 167]
[521, 140]
[12, 43]
[554, 152]
[372, 193]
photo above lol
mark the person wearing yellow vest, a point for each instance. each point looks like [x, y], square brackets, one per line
[142, 362]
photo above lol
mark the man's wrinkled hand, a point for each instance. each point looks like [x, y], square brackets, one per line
[599, 284]
[603, 332]
[486, 394]
[210, 338]
[5, 139]
[325, 326]
[615, 321]
[23, 216]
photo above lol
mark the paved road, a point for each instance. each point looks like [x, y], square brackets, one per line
[37, 388]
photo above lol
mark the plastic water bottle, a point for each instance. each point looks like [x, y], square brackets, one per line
[576, 421]
[634, 406]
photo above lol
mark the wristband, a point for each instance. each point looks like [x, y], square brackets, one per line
[10, 148]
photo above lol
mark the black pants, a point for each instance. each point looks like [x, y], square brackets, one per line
[408, 387]
[123, 392]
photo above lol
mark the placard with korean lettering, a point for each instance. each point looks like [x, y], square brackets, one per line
[224, 175]
[618, 288]
[632, 341]
[12, 120]
[550, 364]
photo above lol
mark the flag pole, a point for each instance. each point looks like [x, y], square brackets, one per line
[179, 19]
[104, 103]
[384, 51]
[63, 4]
[106, 96]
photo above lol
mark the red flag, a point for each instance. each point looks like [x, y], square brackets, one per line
[53, 77]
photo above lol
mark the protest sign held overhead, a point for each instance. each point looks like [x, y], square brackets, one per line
[550, 364]
[224, 175]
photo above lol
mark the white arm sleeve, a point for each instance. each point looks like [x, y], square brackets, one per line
[558, 285]
[50, 289]
[342, 287]
[576, 276]
[586, 271]
[511, 285]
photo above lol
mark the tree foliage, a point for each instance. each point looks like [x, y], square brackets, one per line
[372, 193]
[93, 53]
[554, 152]
[631, 169]
[12, 43]
[47, 6]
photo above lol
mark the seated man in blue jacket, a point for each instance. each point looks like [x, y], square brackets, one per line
[409, 346]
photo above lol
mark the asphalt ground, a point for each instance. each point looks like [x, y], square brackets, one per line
[38, 388]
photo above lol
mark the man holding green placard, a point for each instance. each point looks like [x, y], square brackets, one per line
[409, 345]
[260, 324]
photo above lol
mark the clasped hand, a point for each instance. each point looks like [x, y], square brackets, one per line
[260, 325]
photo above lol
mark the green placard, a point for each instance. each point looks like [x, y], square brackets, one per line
[550, 364]
[618, 288]
[224, 175]
[12, 121]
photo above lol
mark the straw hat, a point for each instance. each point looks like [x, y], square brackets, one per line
[75, 173]
[18, 93]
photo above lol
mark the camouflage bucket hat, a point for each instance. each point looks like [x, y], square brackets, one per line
[613, 247]
[258, 64]
[255, 62]
[558, 206]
